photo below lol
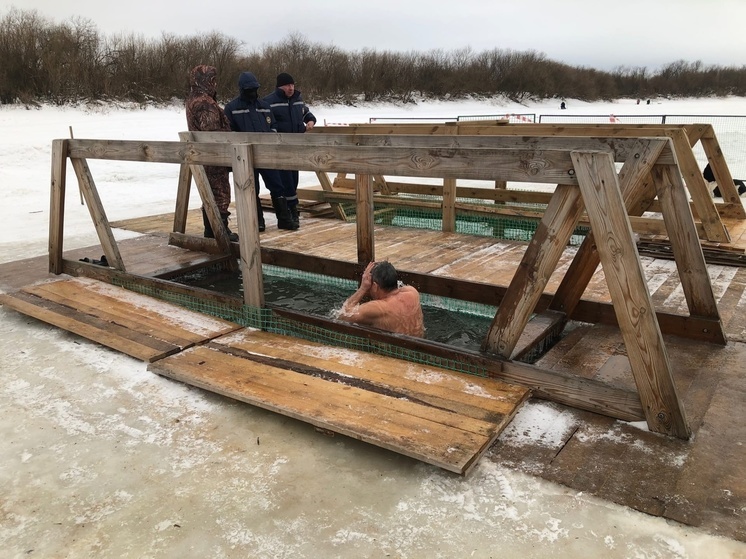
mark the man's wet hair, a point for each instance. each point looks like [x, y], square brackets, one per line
[384, 274]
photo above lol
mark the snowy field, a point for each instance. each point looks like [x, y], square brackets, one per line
[99, 457]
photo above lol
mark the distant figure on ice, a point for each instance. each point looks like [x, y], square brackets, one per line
[563, 106]
[204, 114]
[710, 178]
[648, 101]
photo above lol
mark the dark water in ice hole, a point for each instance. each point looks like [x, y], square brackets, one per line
[456, 328]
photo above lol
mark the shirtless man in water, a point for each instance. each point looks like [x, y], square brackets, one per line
[393, 308]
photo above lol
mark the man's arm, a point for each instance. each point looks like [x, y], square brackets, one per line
[352, 310]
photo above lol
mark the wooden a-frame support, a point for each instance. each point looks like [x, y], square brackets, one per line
[607, 203]
[591, 183]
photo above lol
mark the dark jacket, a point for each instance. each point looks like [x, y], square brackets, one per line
[290, 113]
[246, 113]
[202, 110]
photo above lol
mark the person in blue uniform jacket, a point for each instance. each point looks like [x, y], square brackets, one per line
[291, 115]
[248, 113]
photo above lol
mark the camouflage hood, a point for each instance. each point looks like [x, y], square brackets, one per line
[203, 79]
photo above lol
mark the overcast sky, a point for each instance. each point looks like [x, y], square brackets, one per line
[600, 34]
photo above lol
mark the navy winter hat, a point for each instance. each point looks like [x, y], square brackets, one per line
[247, 80]
[284, 79]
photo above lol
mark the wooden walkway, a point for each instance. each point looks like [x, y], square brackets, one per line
[472, 258]
[437, 416]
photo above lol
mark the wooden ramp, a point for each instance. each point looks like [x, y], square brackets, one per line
[437, 416]
[140, 326]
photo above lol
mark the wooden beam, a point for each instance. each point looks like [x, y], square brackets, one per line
[556, 386]
[690, 261]
[182, 191]
[538, 263]
[326, 186]
[366, 244]
[622, 147]
[519, 164]
[635, 183]
[248, 226]
[211, 207]
[449, 205]
[698, 189]
[57, 204]
[98, 214]
[733, 206]
[642, 336]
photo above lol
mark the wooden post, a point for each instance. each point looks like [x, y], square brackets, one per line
[57, 205]
[733, 206]
[98, 214]
[698, 189]
[449, 205]
[366, 248]
[448, 211]
[248, 230]
[538, 263]
[326, 186]
[211, 208]
[636, 185]
[687, 251]
[629, 293]
[182, 191]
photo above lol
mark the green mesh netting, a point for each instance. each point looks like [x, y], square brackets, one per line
[512, 228]
[458, 313]
[266, 319]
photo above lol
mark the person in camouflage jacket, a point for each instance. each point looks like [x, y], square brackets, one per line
[203, 113]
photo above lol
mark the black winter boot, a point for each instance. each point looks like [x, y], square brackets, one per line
[284, 217]
[231, 235]
[295, 215]
[208, 234]
[260, 214]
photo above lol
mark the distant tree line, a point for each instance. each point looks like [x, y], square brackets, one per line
[44, 61]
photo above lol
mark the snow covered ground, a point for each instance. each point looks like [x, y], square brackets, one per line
[99, 457]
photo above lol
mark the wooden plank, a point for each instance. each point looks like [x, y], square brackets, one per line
[538, 264]
[483, 399]
[698, 189]
[551, 166]
[98, 214]
[326, 185]
[690, 261]
[117, 337]
[211, 207]
[635, 182]
[567, 389]
[414, 428]
[182, 191]
[366, 244]
[57, 204]
[632, 304]
[449, 205]
[248, 228]
[144, 314]
[733, 206]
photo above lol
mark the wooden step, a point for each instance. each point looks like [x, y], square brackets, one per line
[440, 417]
[138, 325]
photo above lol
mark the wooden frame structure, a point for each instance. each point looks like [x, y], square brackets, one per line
[587, 181]
[683, 138]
